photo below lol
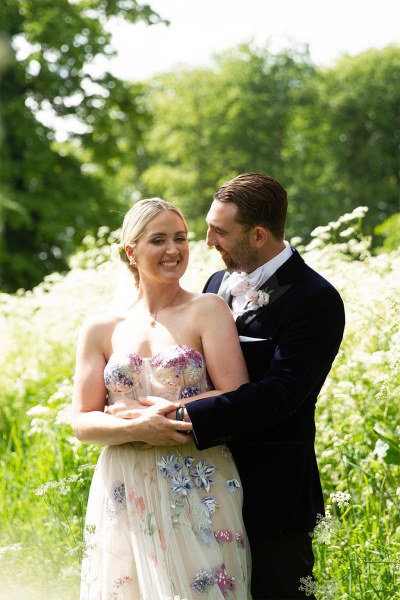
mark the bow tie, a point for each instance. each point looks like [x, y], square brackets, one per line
[240, 283]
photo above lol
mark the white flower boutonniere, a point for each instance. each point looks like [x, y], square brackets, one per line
[260, 297]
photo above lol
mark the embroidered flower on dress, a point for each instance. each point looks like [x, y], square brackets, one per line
[188, 461]
[223, 536]
[162, 539]
[202, 474]
[121, 581]
[239, 540]
[178, 365]
[209, 505]
[207, 537]
[226, 584]
[169, 465]
[116, 501]
[189, 391]
[123, 372]
[233, 485]
[203, 581]
[140, 505]
[181, 484]
[118, 492]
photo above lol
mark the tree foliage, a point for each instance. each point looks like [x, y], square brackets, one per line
[362, 99]
[329, 135]
[52, 195]
[211, 124]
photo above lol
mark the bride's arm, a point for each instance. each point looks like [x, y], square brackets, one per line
[90, 422]
[221, 347]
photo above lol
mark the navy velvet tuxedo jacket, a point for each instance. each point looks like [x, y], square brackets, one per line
[268, 423]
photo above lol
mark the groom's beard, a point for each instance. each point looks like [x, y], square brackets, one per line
[239, 257]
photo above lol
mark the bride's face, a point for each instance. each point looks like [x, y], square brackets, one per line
[162, 251]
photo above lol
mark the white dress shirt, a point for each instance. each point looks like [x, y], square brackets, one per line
[241, 282]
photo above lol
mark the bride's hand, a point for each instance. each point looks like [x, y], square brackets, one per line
[156, 400]
[119, 409]
[161, 406]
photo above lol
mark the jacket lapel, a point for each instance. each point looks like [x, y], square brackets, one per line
[287, 272]
[277, 291]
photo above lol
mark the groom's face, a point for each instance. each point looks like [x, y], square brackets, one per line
[230, 238]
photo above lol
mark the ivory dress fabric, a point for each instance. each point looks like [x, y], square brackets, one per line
[164, 523]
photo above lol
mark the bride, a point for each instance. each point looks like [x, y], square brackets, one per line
[163, 519]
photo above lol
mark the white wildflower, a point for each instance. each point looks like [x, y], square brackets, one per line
[308, 585]
[329, 590]
[340, 498]
[326, 528]
[37, 411]
[347, 232]
[64, 416]
[381, 449]
[321, 232]
[13, 548]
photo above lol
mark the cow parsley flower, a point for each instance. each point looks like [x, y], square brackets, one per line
[340, 498]
[326, 528]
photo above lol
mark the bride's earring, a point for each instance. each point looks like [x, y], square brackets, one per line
[132, 262]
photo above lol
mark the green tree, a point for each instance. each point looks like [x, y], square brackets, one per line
[52, 195]
[362, 112]
[329, 135]
[211, 124]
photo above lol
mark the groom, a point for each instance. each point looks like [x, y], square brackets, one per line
[291, 323]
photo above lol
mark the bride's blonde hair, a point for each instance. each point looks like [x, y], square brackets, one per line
[135, 221]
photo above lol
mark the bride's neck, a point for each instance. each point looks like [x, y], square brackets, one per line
[155, 299]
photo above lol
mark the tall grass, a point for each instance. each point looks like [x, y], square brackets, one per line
[45, 473]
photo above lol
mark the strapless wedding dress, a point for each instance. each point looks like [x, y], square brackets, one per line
[164, 523]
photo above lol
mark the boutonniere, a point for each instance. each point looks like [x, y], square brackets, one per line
[260, 297]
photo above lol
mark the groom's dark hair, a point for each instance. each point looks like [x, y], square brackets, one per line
[260, 200]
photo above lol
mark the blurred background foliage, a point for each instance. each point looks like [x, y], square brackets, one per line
[330, 135]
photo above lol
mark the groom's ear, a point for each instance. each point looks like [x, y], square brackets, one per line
[260, 236]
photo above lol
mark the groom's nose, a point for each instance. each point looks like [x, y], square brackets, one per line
[210, 237]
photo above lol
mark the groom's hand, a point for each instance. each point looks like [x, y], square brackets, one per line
[164, 407]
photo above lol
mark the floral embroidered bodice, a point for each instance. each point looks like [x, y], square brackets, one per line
[175, 372]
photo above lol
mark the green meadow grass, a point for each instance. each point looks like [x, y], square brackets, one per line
[45, 472]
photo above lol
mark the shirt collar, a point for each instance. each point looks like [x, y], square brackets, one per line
[266, 270]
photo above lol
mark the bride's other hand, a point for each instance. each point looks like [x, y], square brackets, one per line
[121, 410]
[161, 402]
[115, 409]
[158, 401]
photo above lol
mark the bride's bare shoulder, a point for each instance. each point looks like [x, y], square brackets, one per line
[209, 302]
[102, 321]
